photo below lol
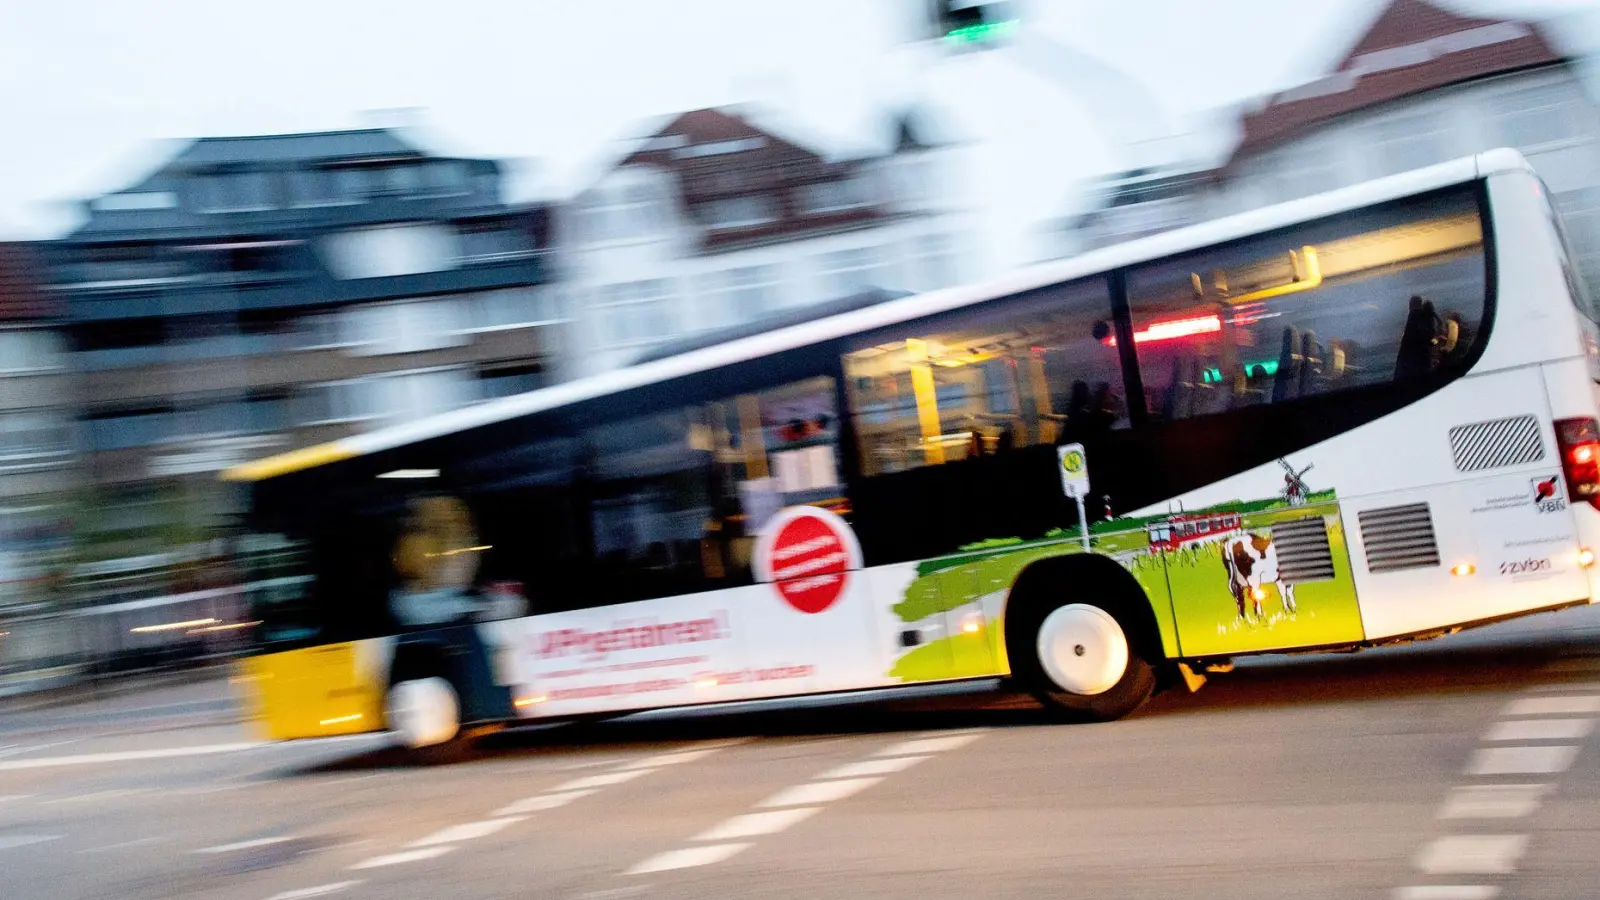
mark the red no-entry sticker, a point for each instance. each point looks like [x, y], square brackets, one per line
[807, 553]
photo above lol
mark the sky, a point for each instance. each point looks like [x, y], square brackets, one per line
[97, 92]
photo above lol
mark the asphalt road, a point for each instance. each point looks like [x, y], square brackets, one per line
[1455, 769]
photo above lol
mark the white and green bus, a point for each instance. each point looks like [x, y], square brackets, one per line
[1363, 417]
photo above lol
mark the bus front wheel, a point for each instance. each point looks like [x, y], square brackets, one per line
[1079, 660]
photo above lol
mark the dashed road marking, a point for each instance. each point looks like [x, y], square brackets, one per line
[1554, 706]
[687, 858]
[470, 831]
[94, 796]
[321, 890]
[247, 845]
[819, 792]
[406, 856]
[795, 804]
[1540, 730]
[140, 842]
[541, 803]
[1473, 854]
[1448, 892]
[756, 824]
[886, 766]
[931, 745]
[1493, 801]
[127, 756]
[606, 780]
[1539, 759]
[13, 841]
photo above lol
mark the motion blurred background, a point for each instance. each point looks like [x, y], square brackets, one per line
[228, 231]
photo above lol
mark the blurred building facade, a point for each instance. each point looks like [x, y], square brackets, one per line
[714, 222]
[36, 472]
[1422, 85]
[258, 294]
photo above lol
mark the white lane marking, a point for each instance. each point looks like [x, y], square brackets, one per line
[887, 766]
[10, 798]
[98, 795]
[246, 845]
[597, 781]
[13, 841]
[670, 759]
[467, 832]
[127, 756]
[686, 858]
[1540, 759]
[395, 859]
[1473, 854]
[321, 890]
[754, 824]
[818, 792]
[930, 745]
[540, 803]
[1540, 730]
[1561, 687]
[1554, 706]
[19, 749]
[1493, 801]
[125, 844]
[1447, 892]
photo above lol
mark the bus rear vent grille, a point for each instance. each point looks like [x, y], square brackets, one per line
[1303, 551]
[1490, 445]
[1400, 537]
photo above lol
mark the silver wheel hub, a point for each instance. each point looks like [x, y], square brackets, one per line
[423, 712]
[1082, 649]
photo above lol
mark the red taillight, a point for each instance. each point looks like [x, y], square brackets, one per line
[1580, 458]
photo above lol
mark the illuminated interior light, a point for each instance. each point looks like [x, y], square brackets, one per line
[173, 626]
[1258, 593]
[1268, 367]
[340, 720]
[1177, 328]
[525, 702]
[972, 626]
[706, 683]
[411, 473]
[1461, 570]
[1586, 557]
[460, 550]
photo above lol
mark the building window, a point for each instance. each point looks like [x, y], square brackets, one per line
[511, 308]
[742, 295]
[1410, 142]
[848, 272]
[240, 190]
[738, 212]
[410, 326]
[934, 261]
[389, 251]
[1536, 117]
[492, 243]
[509, 382]
[23, 352]
[128, 429]
[829, 197]
[635, 313]
[315, 187]
[32, 438]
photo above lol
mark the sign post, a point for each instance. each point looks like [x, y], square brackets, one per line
[1075, 482]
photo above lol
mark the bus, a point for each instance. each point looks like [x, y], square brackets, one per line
[880, 498]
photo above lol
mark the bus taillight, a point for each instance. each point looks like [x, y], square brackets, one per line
[1580, 458]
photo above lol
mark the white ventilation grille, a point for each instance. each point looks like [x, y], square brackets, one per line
[1400, 537]
[1502, 442]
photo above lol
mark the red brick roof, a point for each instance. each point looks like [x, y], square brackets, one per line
[716, 154]
[1413, 47]
[20, 275]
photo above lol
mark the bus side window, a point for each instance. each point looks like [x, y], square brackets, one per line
[1384, 296]
[1026, 372]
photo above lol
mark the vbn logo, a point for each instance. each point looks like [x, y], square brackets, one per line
[1548, 496]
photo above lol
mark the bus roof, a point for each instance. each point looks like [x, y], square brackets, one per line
[888, 313]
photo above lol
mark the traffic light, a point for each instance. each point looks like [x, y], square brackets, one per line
[974, 21]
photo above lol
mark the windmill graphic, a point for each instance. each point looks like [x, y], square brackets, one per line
[1295, 491]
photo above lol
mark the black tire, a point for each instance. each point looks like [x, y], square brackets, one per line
[1132, 690]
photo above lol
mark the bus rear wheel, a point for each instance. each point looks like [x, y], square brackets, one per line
[1080, 661]
[425, 716]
